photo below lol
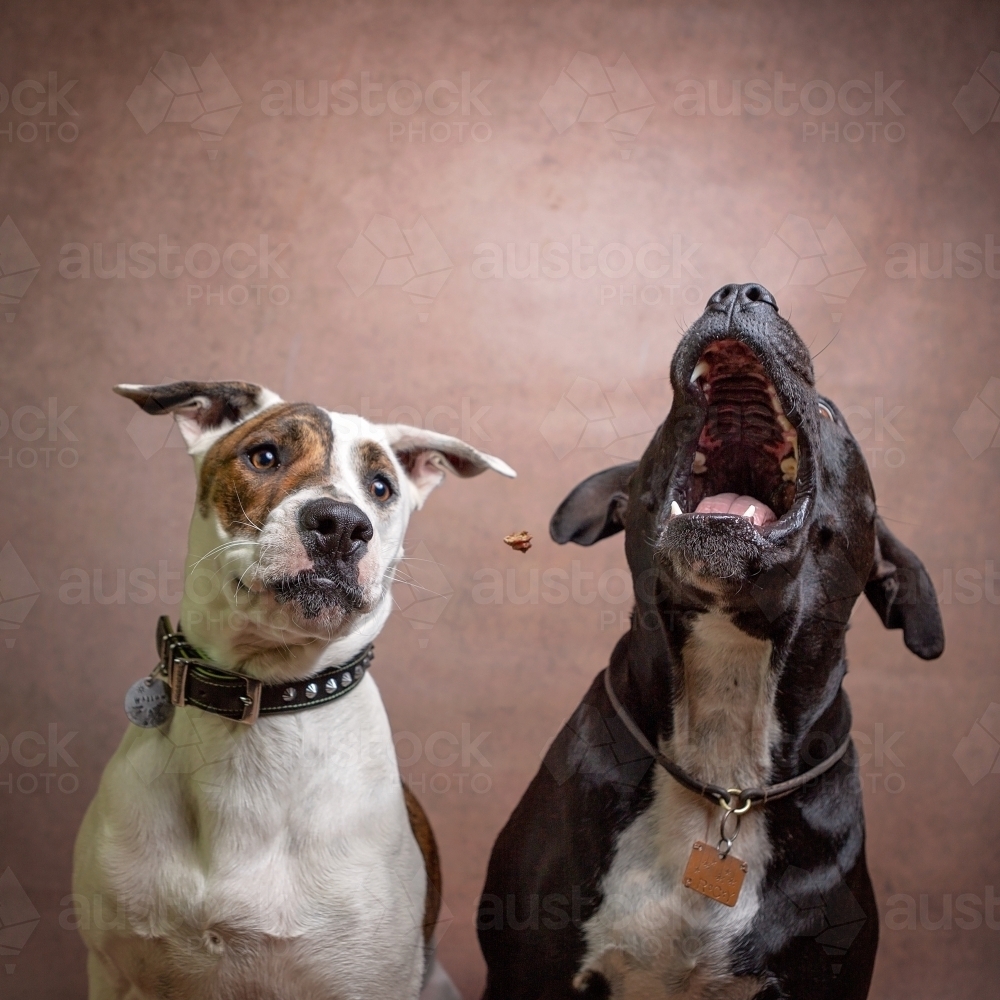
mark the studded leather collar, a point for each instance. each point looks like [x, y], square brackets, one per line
[195, 681]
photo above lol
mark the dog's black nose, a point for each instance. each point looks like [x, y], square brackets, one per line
[332, 528]
[740, 296]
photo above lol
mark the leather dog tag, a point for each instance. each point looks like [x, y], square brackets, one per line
[718, 878]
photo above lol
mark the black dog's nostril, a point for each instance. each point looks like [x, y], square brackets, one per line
[330, 527]
[723, 298]
[757, 293]
[740, 295]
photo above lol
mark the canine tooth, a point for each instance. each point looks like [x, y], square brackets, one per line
[675, 508]
[698, 466]
[750, 511]
[789, 469]
[700, 369]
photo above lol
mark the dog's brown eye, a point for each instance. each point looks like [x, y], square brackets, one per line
[825, 411]
[265, 457]
[380, 489]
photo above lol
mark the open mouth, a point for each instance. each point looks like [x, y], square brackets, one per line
[746, 459]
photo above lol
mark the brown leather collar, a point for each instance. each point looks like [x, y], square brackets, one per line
[195, 681]
[737, 800]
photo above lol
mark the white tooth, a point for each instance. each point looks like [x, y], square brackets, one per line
[698, 466]
[750, 511]
[675, 508]
[789, 469]
[702, 368]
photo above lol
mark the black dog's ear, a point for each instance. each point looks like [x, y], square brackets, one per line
[902, 593]
[594, 509]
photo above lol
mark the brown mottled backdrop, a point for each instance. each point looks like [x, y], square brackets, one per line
[850, 200]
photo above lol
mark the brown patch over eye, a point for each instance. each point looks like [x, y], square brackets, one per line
[376, 471]
[247, 473]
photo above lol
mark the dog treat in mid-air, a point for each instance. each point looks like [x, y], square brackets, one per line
[520, 541]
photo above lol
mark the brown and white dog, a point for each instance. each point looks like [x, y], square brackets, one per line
[284, 858]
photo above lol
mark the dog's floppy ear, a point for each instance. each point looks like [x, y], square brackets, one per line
[902, 593]
[427, 455]
[594, 509]
[200, 408]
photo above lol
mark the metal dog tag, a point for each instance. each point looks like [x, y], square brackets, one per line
[147, 703]
[719, 878]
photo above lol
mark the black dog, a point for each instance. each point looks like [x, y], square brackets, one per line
[750, 529]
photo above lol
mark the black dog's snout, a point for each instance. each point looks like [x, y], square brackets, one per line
[332, 528]
[740, 296]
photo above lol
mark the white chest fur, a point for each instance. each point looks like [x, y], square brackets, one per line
[271, 861]
[653, 938]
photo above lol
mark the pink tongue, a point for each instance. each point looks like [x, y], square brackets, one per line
[730, 503]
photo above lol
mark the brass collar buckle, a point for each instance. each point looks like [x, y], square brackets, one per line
[177, 658]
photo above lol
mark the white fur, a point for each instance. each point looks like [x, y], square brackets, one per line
[652, 937]
[270, 861]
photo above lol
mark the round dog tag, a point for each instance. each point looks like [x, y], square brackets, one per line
[147, 703]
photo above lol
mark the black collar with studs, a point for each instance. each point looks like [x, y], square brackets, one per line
[197, 682]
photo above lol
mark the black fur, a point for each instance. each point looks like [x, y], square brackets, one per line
[816, 931]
